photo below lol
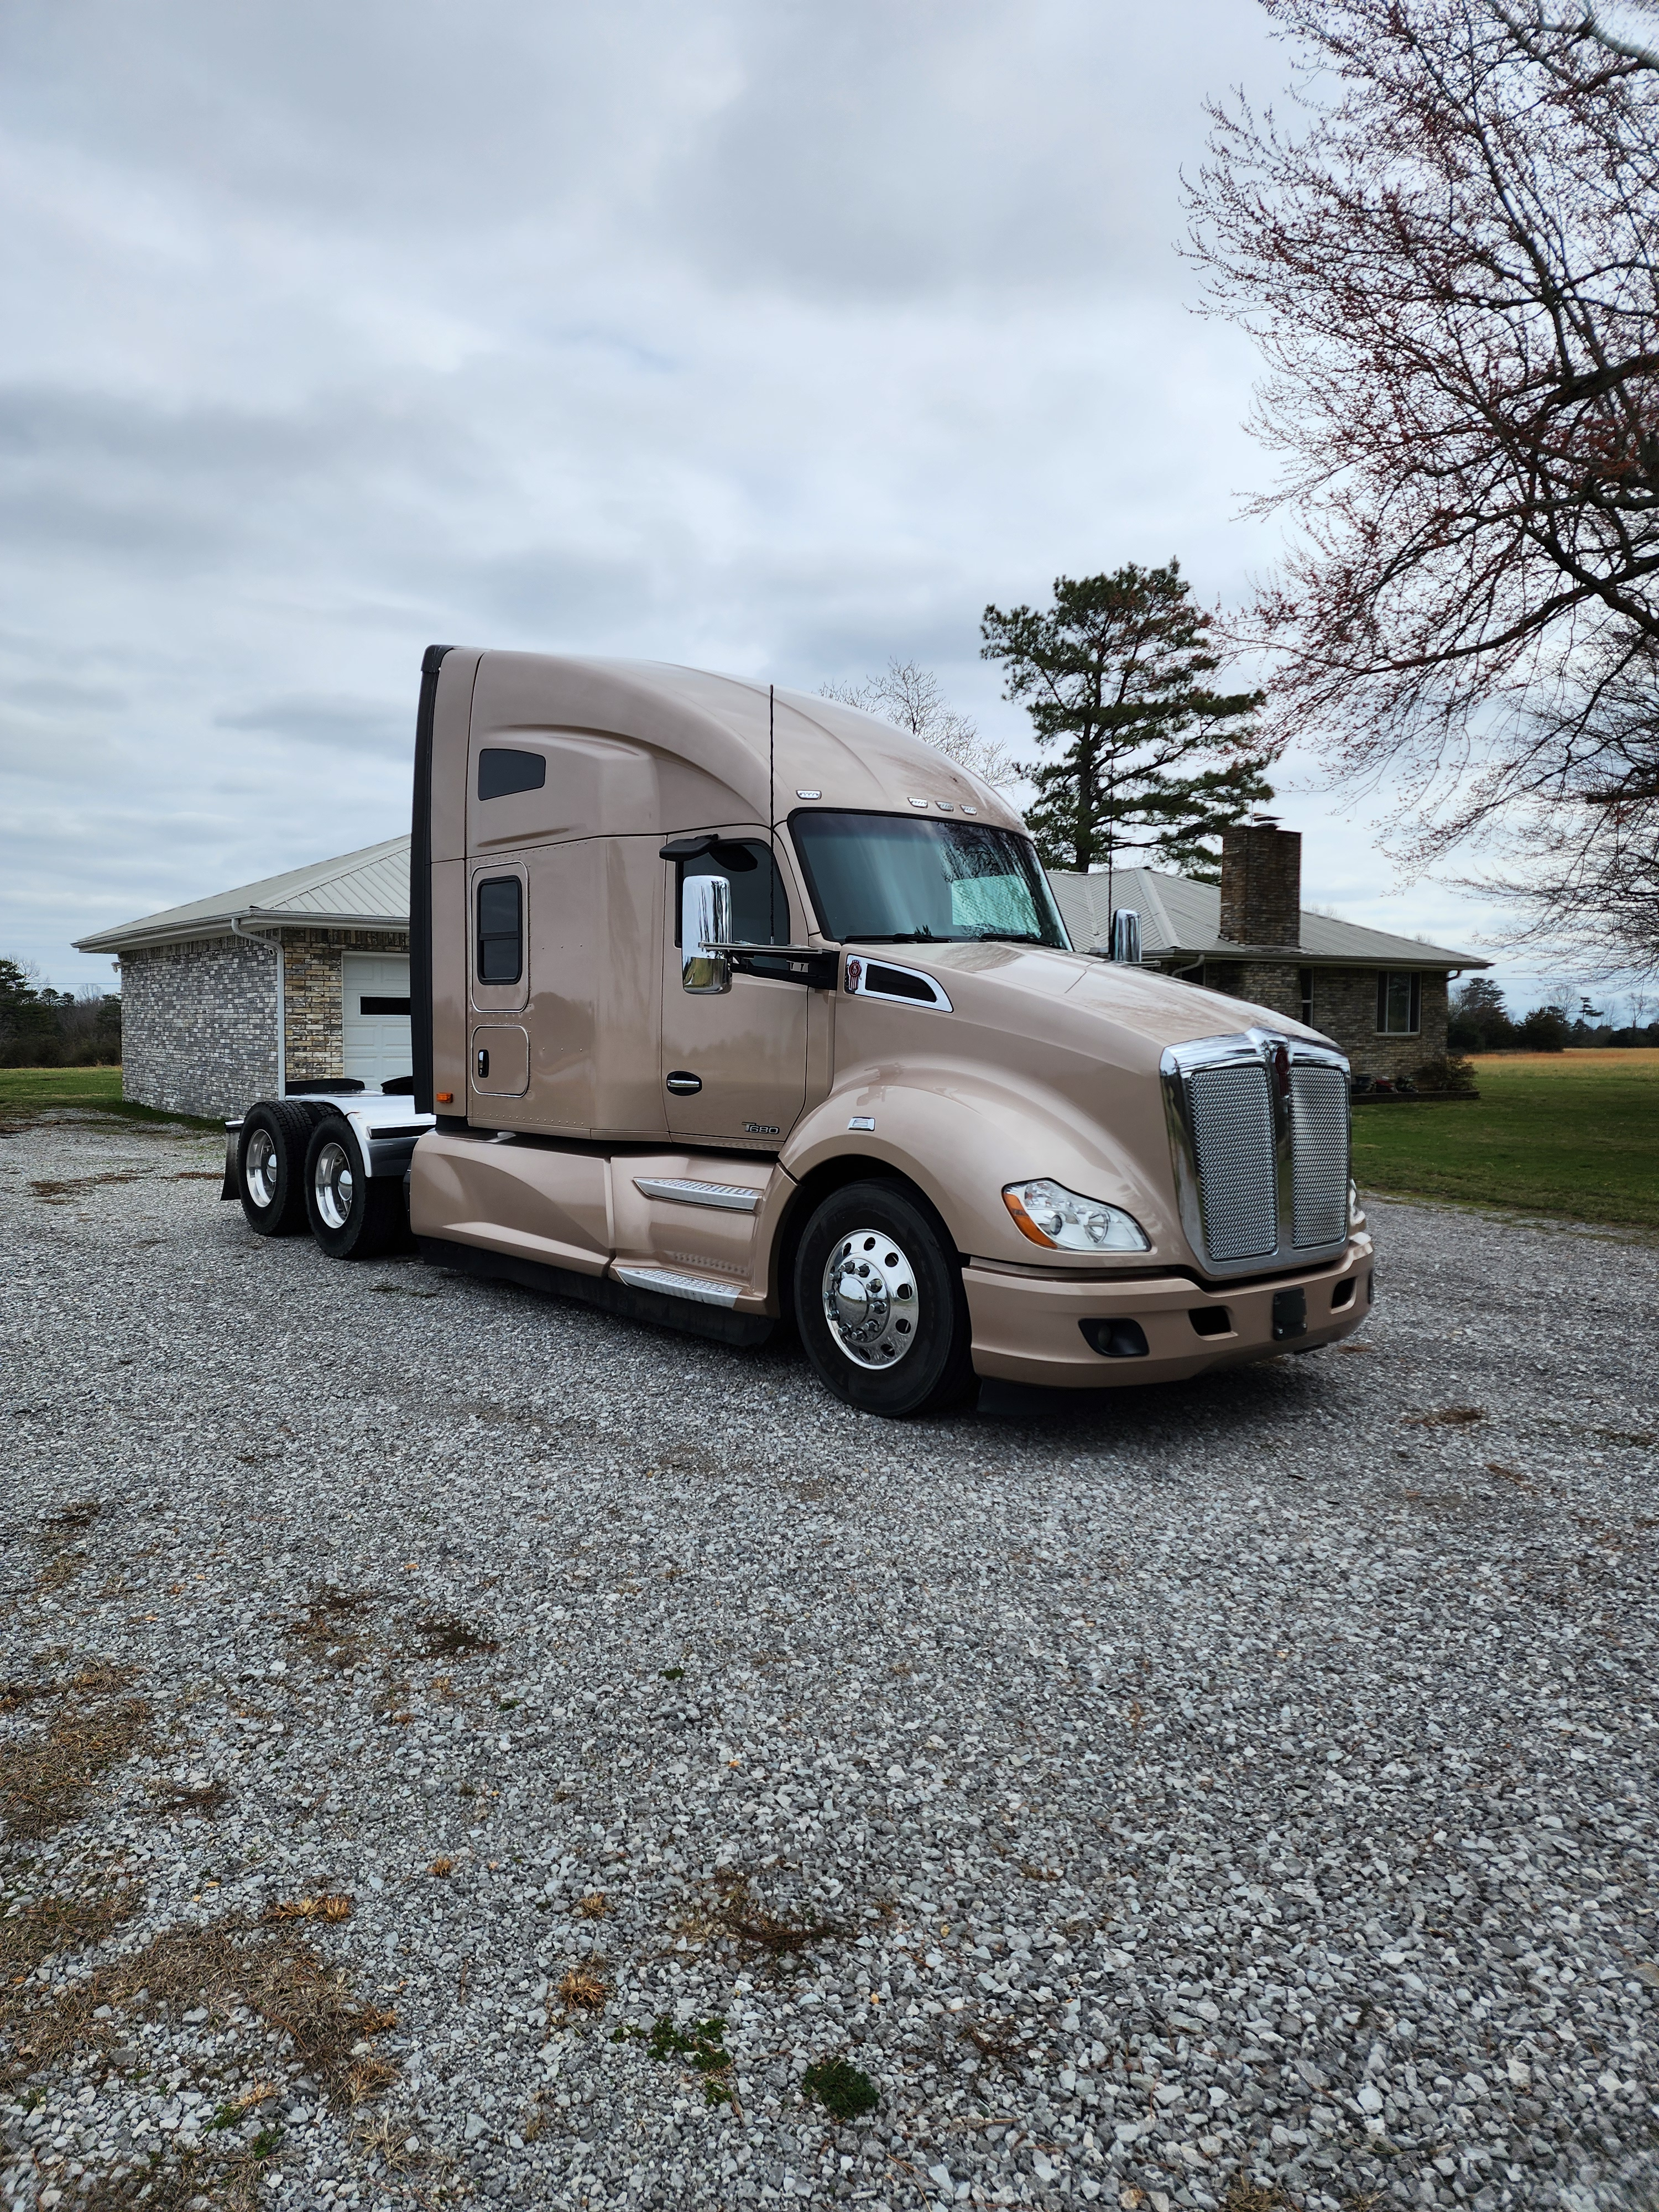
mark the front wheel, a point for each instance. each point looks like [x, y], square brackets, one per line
[879, 1303]
[352, 1217]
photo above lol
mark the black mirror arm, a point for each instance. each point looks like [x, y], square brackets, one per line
[814, 965]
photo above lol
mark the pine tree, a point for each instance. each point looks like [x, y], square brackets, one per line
[1157, 765]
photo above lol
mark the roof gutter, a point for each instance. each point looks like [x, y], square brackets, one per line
[215, 925]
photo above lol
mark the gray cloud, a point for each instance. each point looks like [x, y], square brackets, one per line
[774, 338]
[340, 725]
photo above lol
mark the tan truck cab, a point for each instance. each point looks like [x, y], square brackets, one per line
[731, 1006]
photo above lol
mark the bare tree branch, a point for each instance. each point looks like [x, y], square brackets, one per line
[1448, 253]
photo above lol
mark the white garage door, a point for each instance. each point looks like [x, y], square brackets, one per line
[377, 1044]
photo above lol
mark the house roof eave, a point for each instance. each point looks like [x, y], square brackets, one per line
[1295, 956]
[220, 925]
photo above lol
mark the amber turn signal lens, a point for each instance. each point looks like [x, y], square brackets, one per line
[1024, 1223]
[446, 1098]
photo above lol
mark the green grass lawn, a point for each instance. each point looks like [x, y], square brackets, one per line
[1573, 1133]
[23, 1090]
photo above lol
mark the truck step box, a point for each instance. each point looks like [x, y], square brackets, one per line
[688, 1316]
[674, 1285]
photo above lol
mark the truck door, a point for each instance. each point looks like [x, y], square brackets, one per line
[733, 1061]
[500, 1050]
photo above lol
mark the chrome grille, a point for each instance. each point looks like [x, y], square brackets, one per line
[1233, 1121]
[1319, 1154]
[1259, 1132]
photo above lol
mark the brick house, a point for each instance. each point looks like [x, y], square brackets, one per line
[307, 973]
[1381, 1000]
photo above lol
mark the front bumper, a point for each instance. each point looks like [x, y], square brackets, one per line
[1028, 1327]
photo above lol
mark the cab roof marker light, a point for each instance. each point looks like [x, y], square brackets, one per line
[1061, 1221]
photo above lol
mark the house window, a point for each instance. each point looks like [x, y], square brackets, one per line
[1399, 1003]
[1304, 984]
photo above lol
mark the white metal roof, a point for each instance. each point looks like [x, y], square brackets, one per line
[369, 890]
[1178, 915]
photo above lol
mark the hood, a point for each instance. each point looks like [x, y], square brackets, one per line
[1143, 1009]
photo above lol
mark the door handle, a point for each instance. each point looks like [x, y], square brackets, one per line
[683, 1083]
[484, 1062]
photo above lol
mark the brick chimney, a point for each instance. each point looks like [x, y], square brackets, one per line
[1261, 884]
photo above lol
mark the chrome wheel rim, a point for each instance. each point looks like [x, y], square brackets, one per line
[870, 1298]
[332, 1181]
[259, 1169]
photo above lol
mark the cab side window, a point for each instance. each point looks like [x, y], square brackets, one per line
[501, 930]
[760, 905]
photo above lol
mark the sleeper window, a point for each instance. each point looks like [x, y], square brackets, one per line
[501, 930]
[502, 772]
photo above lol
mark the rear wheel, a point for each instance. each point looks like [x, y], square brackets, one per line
[270, 1162]
[351, 1217]
[879, 1303]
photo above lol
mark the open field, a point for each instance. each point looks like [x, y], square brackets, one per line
[458, 1746]
[1573, 1133]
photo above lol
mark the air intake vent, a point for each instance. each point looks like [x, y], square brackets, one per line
[1233, 1140]
[1319, 1149]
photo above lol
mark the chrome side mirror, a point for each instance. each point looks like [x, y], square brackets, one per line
[1126, 934]
[705, 918]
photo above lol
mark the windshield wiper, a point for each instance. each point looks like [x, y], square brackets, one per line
[1008, 936]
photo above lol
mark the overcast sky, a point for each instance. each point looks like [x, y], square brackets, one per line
[770, 336]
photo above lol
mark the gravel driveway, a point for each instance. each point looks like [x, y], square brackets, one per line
[456, 1744]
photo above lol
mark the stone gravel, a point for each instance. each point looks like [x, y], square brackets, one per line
[1236, 1795]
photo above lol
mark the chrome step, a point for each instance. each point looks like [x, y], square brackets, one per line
[672, 1284]
[732, 1197]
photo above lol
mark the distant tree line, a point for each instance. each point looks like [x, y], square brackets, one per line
[1480, 1022]
[43, 1028]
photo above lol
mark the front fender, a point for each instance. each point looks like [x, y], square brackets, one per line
[960, 1137]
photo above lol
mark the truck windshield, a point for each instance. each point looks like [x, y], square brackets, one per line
[890, 879]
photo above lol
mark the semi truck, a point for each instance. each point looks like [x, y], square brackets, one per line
[734, 1007]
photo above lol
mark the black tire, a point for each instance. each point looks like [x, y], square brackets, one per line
[906, 1348]
[351, 1217]
[270, 1166]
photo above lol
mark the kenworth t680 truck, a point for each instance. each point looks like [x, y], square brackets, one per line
[732, 1007]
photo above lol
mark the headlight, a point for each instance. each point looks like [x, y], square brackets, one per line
[1051, 1215]
[1356, 1217]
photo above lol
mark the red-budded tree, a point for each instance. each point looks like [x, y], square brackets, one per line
[1447, 248]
